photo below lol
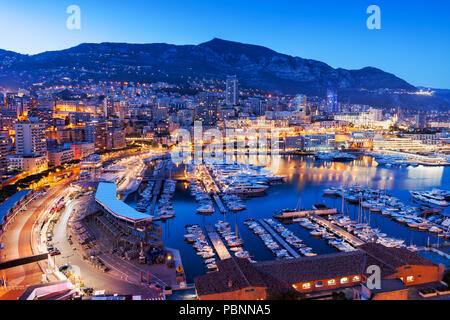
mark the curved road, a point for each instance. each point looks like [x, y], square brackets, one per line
[17, 240]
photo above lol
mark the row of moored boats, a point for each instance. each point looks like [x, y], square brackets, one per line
[197, 238]
[293, 240]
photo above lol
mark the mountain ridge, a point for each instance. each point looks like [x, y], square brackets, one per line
[256, 67]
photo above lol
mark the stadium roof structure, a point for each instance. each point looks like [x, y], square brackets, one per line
[11, 202]
[106, 196]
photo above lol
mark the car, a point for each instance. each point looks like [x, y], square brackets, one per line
[64, 268]
[54, 252]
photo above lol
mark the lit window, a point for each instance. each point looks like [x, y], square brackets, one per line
[344, 280]
[356, 278]
[306, 286]
[331, 282]
[409, 279]
[319, 284]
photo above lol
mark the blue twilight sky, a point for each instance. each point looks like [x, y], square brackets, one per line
[414, 42]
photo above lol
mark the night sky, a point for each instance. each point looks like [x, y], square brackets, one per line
[413, 43]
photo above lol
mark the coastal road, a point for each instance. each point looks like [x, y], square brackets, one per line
[18, 243]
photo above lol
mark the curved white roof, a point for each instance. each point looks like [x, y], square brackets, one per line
[106, 196]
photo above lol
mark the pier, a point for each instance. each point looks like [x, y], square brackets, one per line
[337, 230]
[219, 204]
[209, 183]
[220, 248]
[304, 213]
[279, 239]
[156, 192]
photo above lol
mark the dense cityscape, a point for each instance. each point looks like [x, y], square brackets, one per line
[121, 182]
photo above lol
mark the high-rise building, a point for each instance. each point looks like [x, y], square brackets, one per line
[30, 138]
[2, 100]
[300, 104]
[332, 104]
[96, 132]
[206, 114]
[5, 149]
[257, 106]
[232, 91]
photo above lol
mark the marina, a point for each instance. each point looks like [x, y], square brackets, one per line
[308, 178]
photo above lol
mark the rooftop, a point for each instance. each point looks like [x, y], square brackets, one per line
[394, 257]
[315, 268]
[236, 274]
[106, 196]
[9, 203]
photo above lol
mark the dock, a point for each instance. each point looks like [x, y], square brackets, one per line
[219, 204]
[217, 243]
[279, 239]
[303, 213]
[209, 183]
[156, 192]
[337, 230]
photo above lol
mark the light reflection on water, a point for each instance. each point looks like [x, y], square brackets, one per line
[306, 179]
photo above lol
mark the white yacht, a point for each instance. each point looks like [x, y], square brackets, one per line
[430, 197]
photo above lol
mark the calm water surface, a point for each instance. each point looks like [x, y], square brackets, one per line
[306, 179]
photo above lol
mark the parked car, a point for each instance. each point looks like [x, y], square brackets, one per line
[54, 252]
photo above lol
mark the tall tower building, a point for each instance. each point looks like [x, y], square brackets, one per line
[30, 138]
[97, 132]
[300, 104]
[232, 91]
[5, 148]
[332, 104]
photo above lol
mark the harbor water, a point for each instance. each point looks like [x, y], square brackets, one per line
[306, 178]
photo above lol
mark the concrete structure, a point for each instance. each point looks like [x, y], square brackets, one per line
[332, 103]
[92, 165]
[106, 197]
[5, 149]
[30, 138]
[300, 104]
[232, 91]
[82, 149]
[96, 132]
[59, 157]
[30, 163]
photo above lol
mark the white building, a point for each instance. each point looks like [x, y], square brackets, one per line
[31, 164]
[58, 157]
[82, 149]
[300, 104]
[232, 91]
[30, 138]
